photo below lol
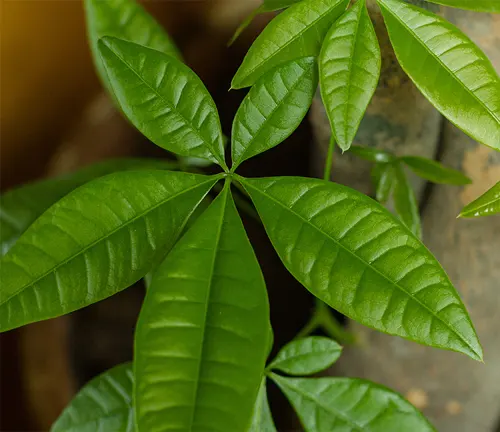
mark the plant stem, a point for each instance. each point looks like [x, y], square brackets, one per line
[329, 159]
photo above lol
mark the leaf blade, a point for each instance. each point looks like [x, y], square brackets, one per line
[452, 66]
[273, 109]
[208, 308]
[304, 25]
[320, 231]
[338, 404]
[176, 113]
[306, 356]
[491, 6]
[383, 177]
[372, 154]
[487, 204]
[434, 171]
[104, 403]
[349, 62]
[262, 419]
[96, 241]
[405, 202]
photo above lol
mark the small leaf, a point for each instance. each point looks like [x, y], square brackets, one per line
[273, 108]
[491, 6]
[347, 404]
[104, 404]
[352, 254]
[372, 154]
[124, 19]
[434, 171]
[164, 99]
[384, 176]
[486, 205]
[262, 419]
[202, 337]
[20, 207]
[96, 241]
[297, 32]
[448, 68]
[405, 202]
[349, 66]
[307, 356]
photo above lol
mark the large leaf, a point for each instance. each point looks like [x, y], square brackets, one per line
[202, 335]
[96, 241]
[104, 404]
[164, 99]
[347, 404]
[351, 253]
[349, 71]
[273, 108]
[297, 32]
[486, 205]
[307, 356]
[124, 19]
[20, 207]
[448, 68]
[434, 171]
[262, 419]
[405, 202]
[491, 6]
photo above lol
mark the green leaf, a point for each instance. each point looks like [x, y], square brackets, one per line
[486, 205]
[448, 68]
[405, 202]
[96, 241]
[297, 32]
[124, 19]
[306, 356]
[164, 99]
[434, 171]
[262, 419]
[20, 207]
[383, 176]
[349, 65]
[347, 404]
[104, 404]
[352, 254]
[491, 6]
[202, 336]
[273, 108]
[372, 154]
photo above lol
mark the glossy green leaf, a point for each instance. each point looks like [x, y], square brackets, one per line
[486, 205]
[262, 419]
[104, 404]
[434, 171]
[21, 206]
[347, 404]
[448, 68]
[96, 241]
[372, 154]
[124, 19]
[383, 176]
[273, 108]
[306, 356]
[164, 99]
[297, 32]
[491, 6]
[349, 65]
[352, 254]
[201, 340]
[405, 202]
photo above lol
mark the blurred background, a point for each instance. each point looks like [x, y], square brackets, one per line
[55, 118]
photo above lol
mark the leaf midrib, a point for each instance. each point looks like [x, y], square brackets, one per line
[296, 36]
[438, 60]
[210, 145]
[369, 266]
[95, 242]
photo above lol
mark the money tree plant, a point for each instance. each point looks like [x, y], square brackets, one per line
[204, 334]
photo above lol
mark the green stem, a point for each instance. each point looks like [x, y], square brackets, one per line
[329, 159]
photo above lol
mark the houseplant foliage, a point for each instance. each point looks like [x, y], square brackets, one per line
[204, 332]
